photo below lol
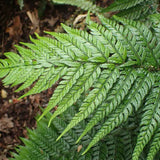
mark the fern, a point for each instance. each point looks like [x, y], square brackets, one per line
[155, 23]
[123, 4]
[133, 9]
[42, 142]
[116, 67]
[149, 121]
[83, 4]
[140, 11]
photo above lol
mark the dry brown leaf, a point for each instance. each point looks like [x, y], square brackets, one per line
[51, 21]
[6, 123]
[15, 31]
[33, 16]
[3, 157]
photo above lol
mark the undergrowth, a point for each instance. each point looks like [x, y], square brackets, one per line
[113, 70]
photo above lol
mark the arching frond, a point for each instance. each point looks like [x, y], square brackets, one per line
[150, 120]
[83, 4]
[95, 97]
[140, 11]
[110, 74]
[122, 113]
[133, 9]
[106, 108]
[123, 4]
[155, 145]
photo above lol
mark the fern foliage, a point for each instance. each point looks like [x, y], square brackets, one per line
[116, 67]
[42, 142]
[133, 9]
[155, 19]
[83, 4]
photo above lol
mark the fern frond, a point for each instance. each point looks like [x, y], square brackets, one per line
[123, 34]
[96, 47]
[146, 39]
[111, 73]
[83, 4]
[140, 11]
[134, 12]
[155, 145]
[106, 108]
[42, 144]
[113, 45]
[64, 87]
[122, 113]
[126, 138]
[95, 98]
[81, 49]
[122, 4]
[149, 121]
[67, 44]
[91, 74]
[133, 9]
[155, 19]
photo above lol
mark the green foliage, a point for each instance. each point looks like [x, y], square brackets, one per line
[133, 9]
[83, 4]
[116, 67]
[155, 24]
[20, 3]
[42, 142]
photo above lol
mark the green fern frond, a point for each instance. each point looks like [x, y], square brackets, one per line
[155, 19]
[127, 141]
[64, 87]
[83, 54]
[146, 39]
[123, 34]
[149, 121]
[106, 108]
[42, 144]
[59, 48]
[133, 9]
[113, 45]
[82, 86]
[97, 48]
[135, 12]
[122, 113]
[140, 11]
[95, 97]
[114, 71]
[155, 145]
[83, 4]
[123, 4]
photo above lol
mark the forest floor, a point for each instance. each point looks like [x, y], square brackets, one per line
[18, 115]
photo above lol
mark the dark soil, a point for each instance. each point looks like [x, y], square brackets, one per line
[16, 115]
